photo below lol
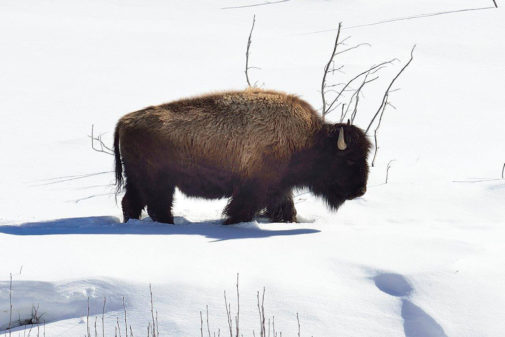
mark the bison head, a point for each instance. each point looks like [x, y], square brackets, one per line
[341, 170]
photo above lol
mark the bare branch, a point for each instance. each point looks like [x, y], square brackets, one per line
[495, 4]
[101, 147]
[375, 133]
[386, 94]
[355, 98]
[371, 70]
[247, 52]
[503, 171]
[323, 82]
[353, 47]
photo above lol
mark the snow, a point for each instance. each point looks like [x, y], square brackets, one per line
[419, 256]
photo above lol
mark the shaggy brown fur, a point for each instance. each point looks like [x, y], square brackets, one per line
[253, 145]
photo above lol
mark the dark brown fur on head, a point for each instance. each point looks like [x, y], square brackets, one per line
[254, 146]
[339, 175]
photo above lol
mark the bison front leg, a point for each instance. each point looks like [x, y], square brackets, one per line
[246, 201]
[281, 207]
[159, 204]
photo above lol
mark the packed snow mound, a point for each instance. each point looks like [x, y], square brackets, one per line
[35, 302]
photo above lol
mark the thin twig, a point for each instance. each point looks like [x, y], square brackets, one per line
[327, 66]
[375, 133]
[119, 327]
[405, 18]
[125, 322]
[238, 311]
[98, 139]
[503, 171]
[298, 321]
[386, 93]
[201, 324]
[495, 4]
[247, 52]
[87, 322]
[387, 170]
[103, 316]
[355, 97]
[152, 311]
[255, 5]
[10, 304]
[373, 69]
[261, 311]
[228, 314]
[207, 316]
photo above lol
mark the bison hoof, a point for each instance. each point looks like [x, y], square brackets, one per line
[167, 220]
[233, 221]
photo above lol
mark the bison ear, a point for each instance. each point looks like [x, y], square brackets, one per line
[341, 140]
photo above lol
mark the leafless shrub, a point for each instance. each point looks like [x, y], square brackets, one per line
[97, 143]
[349, 109]
[329, 105]
[267, 326]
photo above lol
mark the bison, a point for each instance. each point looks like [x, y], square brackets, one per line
[254, 146]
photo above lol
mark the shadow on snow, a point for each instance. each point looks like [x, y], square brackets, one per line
[416, 322]
[212, 229]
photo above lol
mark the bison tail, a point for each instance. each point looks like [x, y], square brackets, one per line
[118, 163]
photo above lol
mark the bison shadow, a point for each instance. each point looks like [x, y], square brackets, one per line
[212, 229]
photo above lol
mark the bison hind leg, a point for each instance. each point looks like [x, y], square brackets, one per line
[132, 203]
[281, 208]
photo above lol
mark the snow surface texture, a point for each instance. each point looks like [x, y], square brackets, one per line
[420, 256]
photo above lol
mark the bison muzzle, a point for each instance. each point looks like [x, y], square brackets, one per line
[254, 146]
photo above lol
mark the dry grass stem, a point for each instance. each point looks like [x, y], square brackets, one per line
[387, 170]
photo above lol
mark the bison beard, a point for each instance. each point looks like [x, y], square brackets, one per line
[254, 146]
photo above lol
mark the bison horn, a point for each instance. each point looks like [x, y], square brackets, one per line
[341, 140]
